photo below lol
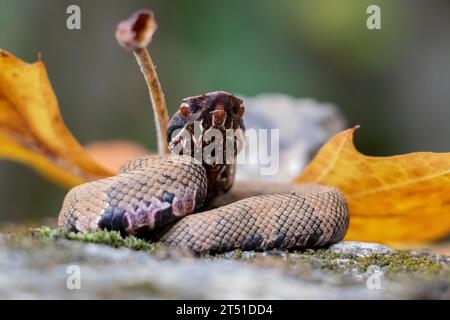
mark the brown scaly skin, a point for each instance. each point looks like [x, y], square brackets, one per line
[311, 216]
[151, 195]
[146, 195]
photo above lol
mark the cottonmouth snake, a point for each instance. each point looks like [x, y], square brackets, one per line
[154, 196]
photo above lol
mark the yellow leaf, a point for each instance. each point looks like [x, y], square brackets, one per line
[403, 198]
[32, 130]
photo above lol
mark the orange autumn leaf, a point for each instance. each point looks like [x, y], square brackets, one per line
[113, 154]
[403, 198]
[32, 130]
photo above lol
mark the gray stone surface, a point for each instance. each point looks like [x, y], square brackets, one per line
[31, 268]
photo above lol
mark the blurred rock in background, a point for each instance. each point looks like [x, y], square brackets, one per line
[304, 126]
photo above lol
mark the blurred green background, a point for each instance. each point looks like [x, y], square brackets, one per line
[394, 82]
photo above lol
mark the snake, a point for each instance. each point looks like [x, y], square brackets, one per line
[193, 203]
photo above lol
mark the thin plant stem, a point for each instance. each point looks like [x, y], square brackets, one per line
[157, 97]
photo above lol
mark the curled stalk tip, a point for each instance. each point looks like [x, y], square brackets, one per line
[136, 32]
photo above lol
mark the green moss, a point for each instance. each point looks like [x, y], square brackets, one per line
[324, 254]
[399, 264]
[111, 238]
[403, 262]
[237, 254]
[396, 266]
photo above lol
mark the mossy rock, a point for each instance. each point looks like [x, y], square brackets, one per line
[116, 267]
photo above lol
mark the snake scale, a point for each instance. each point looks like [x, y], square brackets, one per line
[196, 205]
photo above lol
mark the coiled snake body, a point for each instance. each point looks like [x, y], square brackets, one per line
[154, 196]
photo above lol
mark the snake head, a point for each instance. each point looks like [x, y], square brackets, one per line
[197, 115]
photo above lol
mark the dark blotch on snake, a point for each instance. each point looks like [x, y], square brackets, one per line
[114, 220]
[252, 242]
[314, 238]
[163, 216]
[279, 240]
[167, 197]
